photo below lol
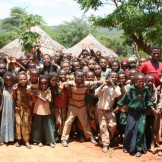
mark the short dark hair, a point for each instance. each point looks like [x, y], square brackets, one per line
[78, 71]
[154, 47]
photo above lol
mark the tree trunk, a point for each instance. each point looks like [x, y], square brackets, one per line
[140, 43]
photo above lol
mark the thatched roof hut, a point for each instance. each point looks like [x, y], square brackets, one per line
[48, 45]
[90, 39]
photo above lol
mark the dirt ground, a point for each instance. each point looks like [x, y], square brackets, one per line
[75, 152]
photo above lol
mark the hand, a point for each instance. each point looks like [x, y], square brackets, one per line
[13, 60]
[158, 111]
[116, 110]
[15, 87]
[91, 46]
[84, 46]
[61, 85]
[38, 46]
[17, 109]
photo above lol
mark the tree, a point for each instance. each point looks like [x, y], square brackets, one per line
[28, 38]
[13, 22]
[140, 20]
[18, 26]
[70, 33]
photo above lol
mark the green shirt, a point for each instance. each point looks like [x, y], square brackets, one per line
[137, 99]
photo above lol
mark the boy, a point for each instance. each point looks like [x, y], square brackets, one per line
[107, 93]
[77, 107]
[138, 100]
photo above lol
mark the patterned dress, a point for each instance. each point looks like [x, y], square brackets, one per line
[24, 116]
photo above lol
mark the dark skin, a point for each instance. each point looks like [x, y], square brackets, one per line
[103, 64]
[124, 65]
[24, 61]
[155, 55]
[79, 78]
[2, 69]
[62, 75]
[91, 64]
[34, 75]
[122, 79]
[22, 81]
[90, 76]
[97, 70]
[8, 82]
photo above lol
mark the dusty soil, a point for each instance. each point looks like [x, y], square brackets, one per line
[75, 152]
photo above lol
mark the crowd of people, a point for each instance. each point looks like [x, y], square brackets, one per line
[104, 100]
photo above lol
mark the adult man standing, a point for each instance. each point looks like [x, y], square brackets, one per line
[153, 66]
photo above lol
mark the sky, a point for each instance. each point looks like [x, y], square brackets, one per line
[54, 12]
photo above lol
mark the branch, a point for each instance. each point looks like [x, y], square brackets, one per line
[140, 43]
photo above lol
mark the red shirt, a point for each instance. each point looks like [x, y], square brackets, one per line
[149, 67]
[62, 100]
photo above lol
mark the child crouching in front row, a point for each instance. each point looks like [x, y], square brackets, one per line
[107, 93]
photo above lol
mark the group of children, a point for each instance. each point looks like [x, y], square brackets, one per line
[92, 96]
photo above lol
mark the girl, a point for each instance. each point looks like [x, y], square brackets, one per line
[23, 113]
[7, 121]
[43, 126]
[138, 100]
[91, 101]
[60, 99]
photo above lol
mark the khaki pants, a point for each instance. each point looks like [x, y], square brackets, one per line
[107, 124]
[82, 116]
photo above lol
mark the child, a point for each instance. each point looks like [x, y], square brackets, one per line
[47, 65]
[43, 126]
[107, 93]
[97, 72]
[138, 100]
[85, 69]
[122, 111]
[132, 62]
[103, 63]
[91, 101]
[23, 113]
[77, 107]
[60, 99]
[8, 121]
[33, 86]
[115, 66]
[91, 64]
[149, 79]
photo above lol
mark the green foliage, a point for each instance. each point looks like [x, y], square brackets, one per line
[30, 20]
[12, 22]
[89, 4]
[70, 33]
[29, 40]
[140, 20]
[115, 43]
